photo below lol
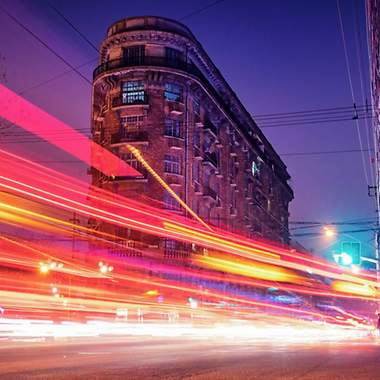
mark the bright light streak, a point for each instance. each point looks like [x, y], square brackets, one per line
[28, 116]
[251, 269]
[263, 332]
[352, 288]
[140, 158]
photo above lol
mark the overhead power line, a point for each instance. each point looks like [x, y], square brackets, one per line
[43, 43]
[311, 121]
[351, 85]
[200, 10]
[310, 234]
[321, 153]
[72, 26]
[329, 110]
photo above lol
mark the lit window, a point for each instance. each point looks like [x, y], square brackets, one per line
[133, 92]
[172, 164]
[173, 128]
[173, 92]
[132, 123]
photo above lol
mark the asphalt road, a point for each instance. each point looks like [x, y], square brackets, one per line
[174, 358]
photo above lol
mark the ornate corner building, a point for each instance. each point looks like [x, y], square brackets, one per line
[158, 90]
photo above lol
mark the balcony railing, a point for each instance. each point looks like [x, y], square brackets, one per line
[126, 136]
[120, 101]
[197, 152]
[208, 192]
[211, 158]
[147, 61]
[211, 128]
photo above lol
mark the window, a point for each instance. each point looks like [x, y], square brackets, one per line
[134, 119]
[131, 160]
[172, 164]
[207, 143]
[133, 92]
[206, 177]
[132, 123]
[197, 138]
[173, 56]
[232, 167]
[196, 172]
[173, 92]
[195, 205]
[170, 244]
[196, 107]
[170, 203]
[173, 128]
[134, 55]
[233, 203]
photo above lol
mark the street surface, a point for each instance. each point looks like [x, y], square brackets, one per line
[185, 358]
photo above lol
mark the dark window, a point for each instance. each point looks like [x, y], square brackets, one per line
[173, 56]
[173, 92]
[196, 172]
[197, 138]
[131, 160]
[172, 164]
[173, 128]
[196, 107]
[133, 92]
[134, 54]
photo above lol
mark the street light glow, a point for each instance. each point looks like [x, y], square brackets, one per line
[346, 258]
[329, 232]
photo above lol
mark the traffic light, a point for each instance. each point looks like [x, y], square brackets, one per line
[353, 250]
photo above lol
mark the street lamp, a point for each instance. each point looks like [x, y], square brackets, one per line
[44, 268]
[104, 268]
[329, 232]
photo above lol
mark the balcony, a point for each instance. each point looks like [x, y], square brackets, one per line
[147, 61]
[197, 152]
[197, 188]
[124, 136]
[120, 101]
[209, 193]
[210, 159]
[210, 127]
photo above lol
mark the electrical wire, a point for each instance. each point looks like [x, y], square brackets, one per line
[351, 85]
[43, 43]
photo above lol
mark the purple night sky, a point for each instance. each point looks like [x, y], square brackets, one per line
[278, 56]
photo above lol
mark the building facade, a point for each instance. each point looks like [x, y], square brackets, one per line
[157, 89]
[373, 32]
